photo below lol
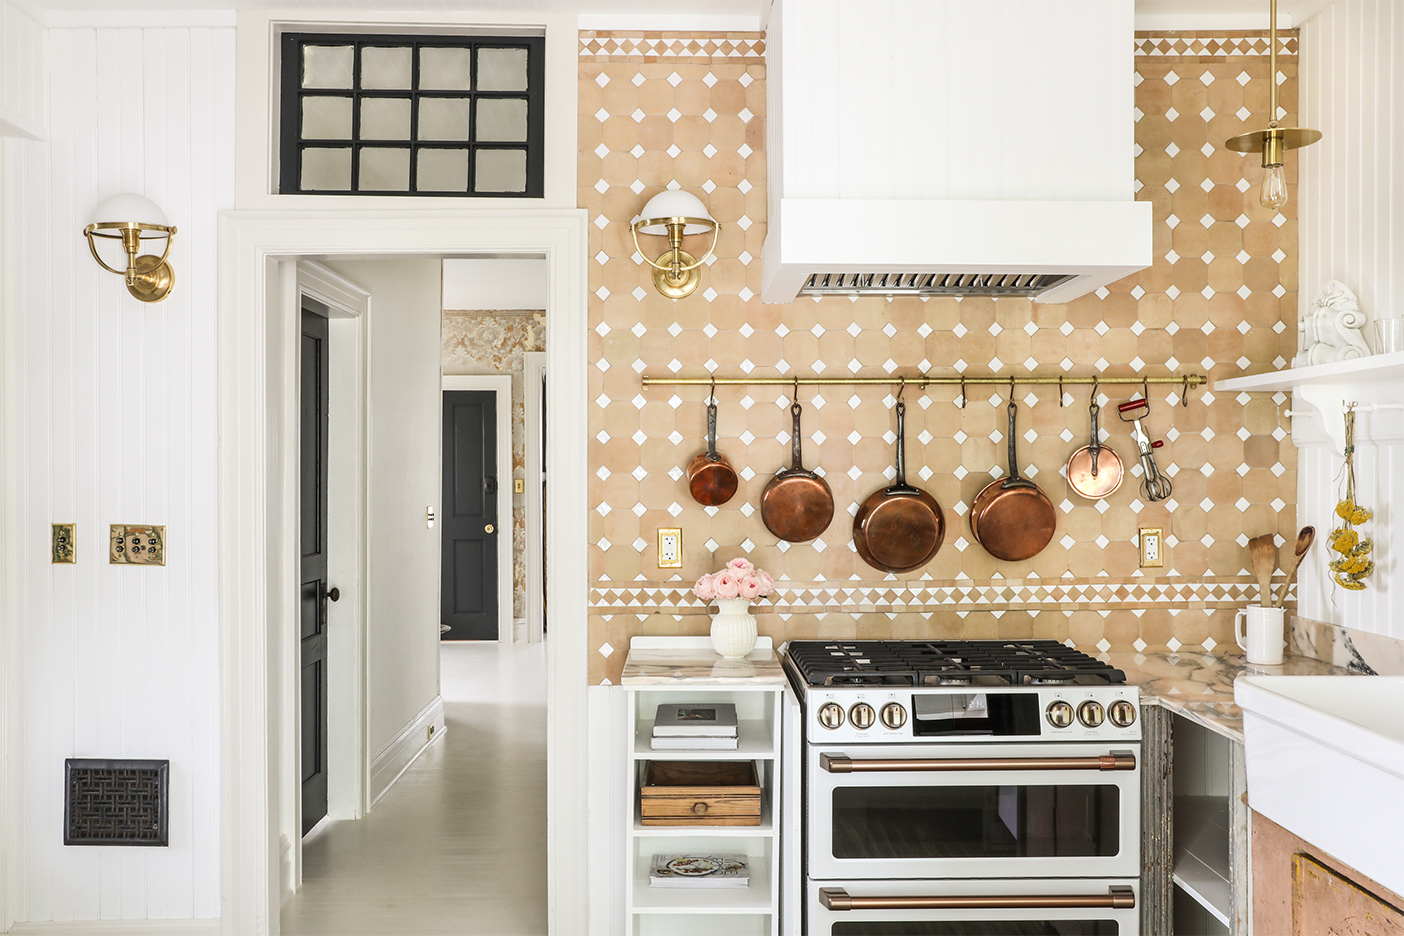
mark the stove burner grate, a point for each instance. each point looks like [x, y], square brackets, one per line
[946, 662]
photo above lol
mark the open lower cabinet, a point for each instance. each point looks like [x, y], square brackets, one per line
[1210, 871]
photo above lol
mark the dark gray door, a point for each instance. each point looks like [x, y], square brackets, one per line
[468, 593]
[314, 568]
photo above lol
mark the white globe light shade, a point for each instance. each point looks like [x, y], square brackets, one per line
[128, 208]
[674, 203]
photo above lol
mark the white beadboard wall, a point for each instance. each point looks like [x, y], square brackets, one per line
[21, 73]
[1351, 88]
[116, 424]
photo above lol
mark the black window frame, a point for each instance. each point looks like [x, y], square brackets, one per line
[291, 94]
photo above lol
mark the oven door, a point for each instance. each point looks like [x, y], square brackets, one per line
[974, 811]
[974, 908]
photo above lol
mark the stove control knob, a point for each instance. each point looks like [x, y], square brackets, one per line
[831, 715]
[1091, 713]
[893, 715]
[1122, 713]
[1059, 714]
[862, 715]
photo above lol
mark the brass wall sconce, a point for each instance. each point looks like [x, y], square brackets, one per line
[132, 219]
[1274, 142]
[675, 214]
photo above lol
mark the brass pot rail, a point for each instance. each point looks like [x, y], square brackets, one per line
[1117, 897]
[1187, 382]
[839, 763]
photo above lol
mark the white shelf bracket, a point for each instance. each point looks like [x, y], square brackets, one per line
[1326, 400]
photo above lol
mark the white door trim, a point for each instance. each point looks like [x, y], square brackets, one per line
[257, 460]
[533, 373]
[501, 387]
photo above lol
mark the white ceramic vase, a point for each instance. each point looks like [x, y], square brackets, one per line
[733, 628]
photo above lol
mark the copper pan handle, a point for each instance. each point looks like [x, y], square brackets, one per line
[839, 763]
[1119, 897]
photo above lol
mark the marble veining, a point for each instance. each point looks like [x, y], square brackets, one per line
[659, 667]
[1199, 686]
[1358, 651]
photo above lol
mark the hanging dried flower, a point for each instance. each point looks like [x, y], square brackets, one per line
[1354, 562]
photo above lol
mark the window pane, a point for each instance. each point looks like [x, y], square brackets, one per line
[443, 118]
[385, 119]
[502, 120]
[326, 170]
[327, 66]
[442, 170]
[384, 169]
[326, 118]
[502, 69]
[500, 171]
[385, 68]
[445, 69]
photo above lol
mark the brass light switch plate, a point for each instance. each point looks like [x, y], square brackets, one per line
[137, 545]
[64, 543]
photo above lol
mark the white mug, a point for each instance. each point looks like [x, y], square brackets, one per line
[1260, 634]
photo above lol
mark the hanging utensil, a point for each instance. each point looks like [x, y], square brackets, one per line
[1012, 518]
[711, 479]
[1094, 470]
[1305, 537]
[1154, 485]
[901, 527]
[797, 504]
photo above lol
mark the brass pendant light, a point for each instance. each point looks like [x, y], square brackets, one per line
[1275, 141]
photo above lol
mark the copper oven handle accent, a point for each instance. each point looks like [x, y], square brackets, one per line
[1119, 897]
[839, 763]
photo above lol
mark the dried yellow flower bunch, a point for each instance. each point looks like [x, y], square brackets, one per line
[1354, 562]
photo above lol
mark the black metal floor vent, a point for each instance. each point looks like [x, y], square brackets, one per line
[115, 802]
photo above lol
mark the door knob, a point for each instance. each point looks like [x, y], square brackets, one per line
[488, 529]
[334, 594]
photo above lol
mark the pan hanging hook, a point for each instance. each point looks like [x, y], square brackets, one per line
[1145, 388]
[964, 397]
[712, 395]
[1011, 389]
[1061, 401]
[1095, 383]
[1184, 391]
[794, 398]
[900, 388]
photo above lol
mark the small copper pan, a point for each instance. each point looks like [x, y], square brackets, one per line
[899, 528]
[1094, 470]
[797, 504]
[1012, 518]
[710, 478]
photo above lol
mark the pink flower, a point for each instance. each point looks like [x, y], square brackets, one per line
[749, 587]
[766, 583]
[705, 588]
[740, 567]
[727, 586]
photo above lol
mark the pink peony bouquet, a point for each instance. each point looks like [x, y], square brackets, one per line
[740, 579]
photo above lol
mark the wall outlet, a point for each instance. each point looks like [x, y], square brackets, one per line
[1152, 548]
[63, 543]
[429, 518]
[670, 549]
[518, 486]
[129, 544]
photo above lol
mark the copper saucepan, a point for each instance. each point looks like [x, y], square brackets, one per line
[710, 478]
[1012, 518]
[899, 528]
[1094, 470]
[797, 504]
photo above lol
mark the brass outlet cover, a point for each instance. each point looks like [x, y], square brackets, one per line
[64, 543]
[518, 486]
[670, 548]
[1152, 542]
[137, 545]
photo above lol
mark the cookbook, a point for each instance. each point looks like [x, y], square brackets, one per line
[701, 871]
[695, 719]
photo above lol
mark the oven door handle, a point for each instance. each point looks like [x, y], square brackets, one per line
[1118, 897]
[841, 763]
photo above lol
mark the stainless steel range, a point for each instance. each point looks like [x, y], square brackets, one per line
[961, 787]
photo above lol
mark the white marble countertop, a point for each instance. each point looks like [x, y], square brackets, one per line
[1199, 685]
[697, 667]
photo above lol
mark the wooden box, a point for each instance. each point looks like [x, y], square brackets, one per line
[700, 793]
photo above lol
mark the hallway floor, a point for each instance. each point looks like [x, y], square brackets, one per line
[458, 845]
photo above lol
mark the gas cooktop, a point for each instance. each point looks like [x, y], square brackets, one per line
[839, 663]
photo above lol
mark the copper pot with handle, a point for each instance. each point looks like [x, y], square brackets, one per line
[797, 504]
[1094, 471]
[1012, 517]
[901, 527]
[711, 480]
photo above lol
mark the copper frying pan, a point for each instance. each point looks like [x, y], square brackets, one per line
[1094, 470]
[710, 477]
[899, 528]
[797, 504]
[1012, 518]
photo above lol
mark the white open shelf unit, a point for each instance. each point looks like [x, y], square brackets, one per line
[654, 911]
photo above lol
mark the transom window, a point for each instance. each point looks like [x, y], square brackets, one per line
[410, 115]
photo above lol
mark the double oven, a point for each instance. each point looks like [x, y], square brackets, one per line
[984, 805]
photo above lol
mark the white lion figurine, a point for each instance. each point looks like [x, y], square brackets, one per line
[1330, 330]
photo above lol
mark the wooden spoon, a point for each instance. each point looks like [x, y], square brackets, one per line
[1305, 537]
[1263, 555]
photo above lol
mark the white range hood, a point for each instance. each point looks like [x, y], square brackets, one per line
[951, 147]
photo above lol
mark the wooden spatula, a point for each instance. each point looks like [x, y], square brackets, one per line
[1305, 538]
[1263, 555]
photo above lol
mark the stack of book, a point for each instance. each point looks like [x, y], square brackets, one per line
[710, 871]
[695, 726]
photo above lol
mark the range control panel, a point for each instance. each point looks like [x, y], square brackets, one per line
[969, 714]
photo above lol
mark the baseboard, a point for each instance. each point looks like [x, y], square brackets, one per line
[391, 761]
[118, 928]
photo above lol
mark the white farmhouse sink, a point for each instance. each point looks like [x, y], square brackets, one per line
[1325, 761]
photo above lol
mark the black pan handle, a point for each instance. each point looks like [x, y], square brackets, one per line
[1014, 480]
[712, 433]
[1095, 448]
[796, 461]
[901, 444]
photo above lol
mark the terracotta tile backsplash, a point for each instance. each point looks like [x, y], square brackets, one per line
[688, 111]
